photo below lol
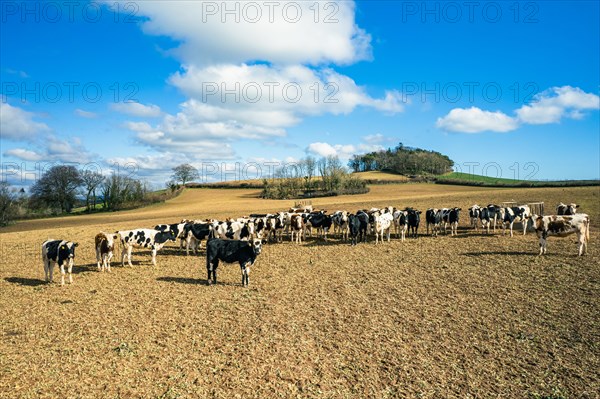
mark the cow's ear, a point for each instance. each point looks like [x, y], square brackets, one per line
[576, 206]
[76, 244]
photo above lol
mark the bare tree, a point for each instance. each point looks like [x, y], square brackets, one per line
[184, 173]
[91, 181]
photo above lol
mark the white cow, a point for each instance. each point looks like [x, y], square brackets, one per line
[562, 226]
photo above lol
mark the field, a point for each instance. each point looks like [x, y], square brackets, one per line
[471, 316]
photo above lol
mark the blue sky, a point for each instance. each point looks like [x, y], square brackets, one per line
[507, 89]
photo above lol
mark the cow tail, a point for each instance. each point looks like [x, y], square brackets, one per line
[587, 229]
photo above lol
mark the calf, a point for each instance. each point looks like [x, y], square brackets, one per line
[321, 222]
[414, 218]
[510, 215]
[400, 223]
[562, 226]
[363, 220]
[195, 233]
[297, 227]
[233, 230]
[433, 218]
[105, 245]
[143, 238]
[474, 216]
[562, 209]
[489, 215]
[58, 252]
[354, 228]
[383, 223]
[231, 251]
[178, 230]
[340, 222]
[453, 219]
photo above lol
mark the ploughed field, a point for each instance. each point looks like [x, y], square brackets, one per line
[468, 316]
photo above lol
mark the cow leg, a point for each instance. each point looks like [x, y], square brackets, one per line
[71, 272]
[98, 258]
[108, 259]
[62, 273]
[123, 254]
[46, 270]
[153, 256]
[542, 246]
[129, 255]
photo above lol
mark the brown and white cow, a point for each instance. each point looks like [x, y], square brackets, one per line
[562, 226]
[296, 227]
[105, 245]
[563, 209]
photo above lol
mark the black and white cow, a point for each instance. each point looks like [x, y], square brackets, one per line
[195, 233]
[562, 226]
[231, 251]
[143, 238]
[363, 219]
[354, 228]
[60, 252]
[233, 230]
[401, 223]
[340, 222]
[414, 219]
[510, 215]
[105, 246]
[474, 216]
[489, 215]
[433, 218]
[564, 209]
[453, 219]
[178, 230]
[321, 222]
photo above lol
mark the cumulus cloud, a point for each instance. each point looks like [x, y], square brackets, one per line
[243, 31]
[254, 79]
[549, 106]
[552, 105]
[54, 149]
[18, 124]
[475, 120]
[136, 109]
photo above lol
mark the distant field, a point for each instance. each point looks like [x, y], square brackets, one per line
[467, 316]
[478, 178]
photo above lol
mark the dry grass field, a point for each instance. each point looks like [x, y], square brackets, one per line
[471, 316]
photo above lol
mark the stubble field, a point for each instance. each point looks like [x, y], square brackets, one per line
[469, 316]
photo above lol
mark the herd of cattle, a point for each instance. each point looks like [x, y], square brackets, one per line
[240, 240]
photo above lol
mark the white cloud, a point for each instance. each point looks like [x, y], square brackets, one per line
[85, 114]
[552, 105]
[137, 109]
[549, 106]
[54, 149]
[24, 154]
[475, 120]
[342, 151]
[17, 124]
[263, 31]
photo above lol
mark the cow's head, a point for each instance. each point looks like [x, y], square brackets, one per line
[66, 252]
[257, 246]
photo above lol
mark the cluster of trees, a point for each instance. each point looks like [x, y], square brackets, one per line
[312, 178]
[403, 160]
[58, 189]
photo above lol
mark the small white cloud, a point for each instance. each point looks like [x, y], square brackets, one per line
[342, 151]
[549, 106]
[475, 120]
[137, 109]
[85, 114]
[17, 124]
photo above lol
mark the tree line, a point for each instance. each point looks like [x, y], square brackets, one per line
[402, 160]
[311, 177]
